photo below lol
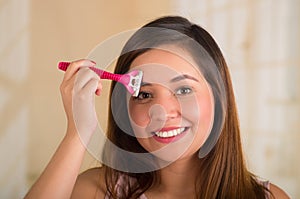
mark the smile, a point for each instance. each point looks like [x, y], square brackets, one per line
[170, 133]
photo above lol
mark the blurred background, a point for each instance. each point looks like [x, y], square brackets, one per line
[260, 40]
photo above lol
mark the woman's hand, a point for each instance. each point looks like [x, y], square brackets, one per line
[77, 90]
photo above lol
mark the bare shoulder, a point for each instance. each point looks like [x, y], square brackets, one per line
[277, 192]
[90, 184]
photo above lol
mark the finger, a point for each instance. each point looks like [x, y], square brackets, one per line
[74, 67]
[99, 89]
[90, 87]
[67, 86]
[83, 76]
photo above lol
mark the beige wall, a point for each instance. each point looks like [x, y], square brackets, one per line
[14, 107]
[35, 35]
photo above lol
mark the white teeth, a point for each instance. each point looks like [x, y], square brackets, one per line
[166, 134]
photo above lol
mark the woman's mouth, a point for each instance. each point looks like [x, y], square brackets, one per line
[170, 134]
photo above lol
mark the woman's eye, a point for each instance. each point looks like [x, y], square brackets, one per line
[143, 96]
[183, 91]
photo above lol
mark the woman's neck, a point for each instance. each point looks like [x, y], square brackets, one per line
[177, 180]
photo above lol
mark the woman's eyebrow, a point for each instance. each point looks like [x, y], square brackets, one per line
[175, 79]
[146, 84]
[182, 77]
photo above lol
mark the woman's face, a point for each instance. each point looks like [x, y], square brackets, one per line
[173, 114]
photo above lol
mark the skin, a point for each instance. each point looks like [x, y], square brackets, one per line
[60, 178]
[177, 112]
[186, 102]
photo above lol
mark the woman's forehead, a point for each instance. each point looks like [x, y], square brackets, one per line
[165, 64]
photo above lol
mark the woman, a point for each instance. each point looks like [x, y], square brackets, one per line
[180, 134]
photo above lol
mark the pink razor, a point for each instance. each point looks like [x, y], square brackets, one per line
[132, 80]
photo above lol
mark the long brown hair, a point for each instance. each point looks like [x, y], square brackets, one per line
[222, 172]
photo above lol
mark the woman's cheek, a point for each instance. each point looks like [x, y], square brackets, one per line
[137, 116]
[139, 119]
[199, 110]
[206, 115]
[191, 110]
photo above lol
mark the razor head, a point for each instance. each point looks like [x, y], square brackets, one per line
[137, 80]
[132, 81]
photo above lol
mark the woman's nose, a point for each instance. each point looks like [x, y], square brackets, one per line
[166, 107]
